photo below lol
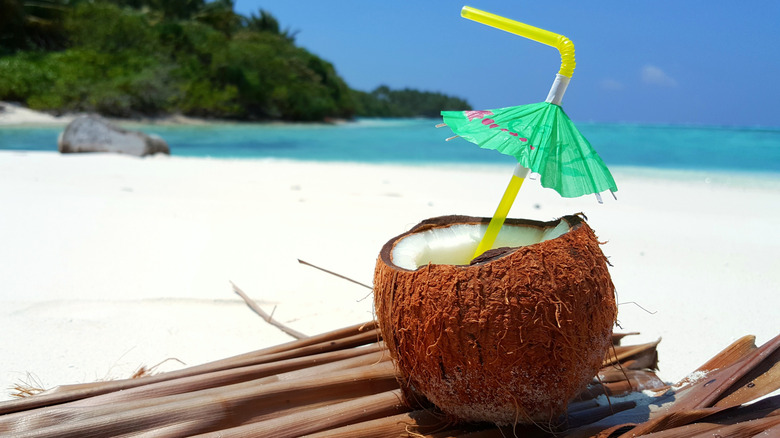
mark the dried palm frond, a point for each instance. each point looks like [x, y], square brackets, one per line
[342, 384]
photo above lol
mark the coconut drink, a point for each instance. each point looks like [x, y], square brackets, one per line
[504, 320]
[509, 337]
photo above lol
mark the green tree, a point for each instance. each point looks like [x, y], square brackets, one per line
[30, 25]
[385, 102]
[266, 22]
[129, 58]
[106, 27]
[170, 9]
[219, 15]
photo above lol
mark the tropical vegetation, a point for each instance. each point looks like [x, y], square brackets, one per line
[129, 58]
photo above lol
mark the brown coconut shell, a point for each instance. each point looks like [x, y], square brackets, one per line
[510, 338]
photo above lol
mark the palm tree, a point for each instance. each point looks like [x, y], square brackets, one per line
[268, 23]
[219, 14]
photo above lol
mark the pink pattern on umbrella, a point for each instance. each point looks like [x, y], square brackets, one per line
[471, 115]
[477, 114]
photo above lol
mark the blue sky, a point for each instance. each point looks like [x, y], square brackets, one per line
[660, 62]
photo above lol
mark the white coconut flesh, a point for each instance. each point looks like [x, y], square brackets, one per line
[455, 245]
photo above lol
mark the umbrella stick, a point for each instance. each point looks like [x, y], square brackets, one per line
[497, 221]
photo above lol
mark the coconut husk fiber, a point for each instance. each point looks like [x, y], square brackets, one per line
[510, 337]
[341, 384]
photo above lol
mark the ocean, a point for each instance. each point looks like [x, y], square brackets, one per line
[417, 141]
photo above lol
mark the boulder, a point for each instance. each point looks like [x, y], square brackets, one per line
[93, 133]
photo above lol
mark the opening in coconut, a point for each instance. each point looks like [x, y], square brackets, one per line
[455, 244]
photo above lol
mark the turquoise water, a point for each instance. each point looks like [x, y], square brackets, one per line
[417, 141]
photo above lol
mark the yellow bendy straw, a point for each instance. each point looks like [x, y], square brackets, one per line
[568, 63]
[560, 42]
[497, 221]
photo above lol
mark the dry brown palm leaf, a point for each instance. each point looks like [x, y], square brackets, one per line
[161, 393]
[694, 401]
[524, 431]
[760, 381]
[752, 428]
[619, 373]
[731, 354]
[577, 419]
[432, 424]
[419, 421]
[216, 408]
[581, 405]
[572, 420]
[708, 390]
[617, 338]
[348, 337]
[343, 384]
[622, 353]
[647, 359]
[770, 432]
[264, 373]
[321, 418]
[619, 384]
[744, 422]
[669, 415]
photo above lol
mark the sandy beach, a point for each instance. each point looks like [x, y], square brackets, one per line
[110, 262]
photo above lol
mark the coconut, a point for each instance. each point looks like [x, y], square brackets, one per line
[509, 337]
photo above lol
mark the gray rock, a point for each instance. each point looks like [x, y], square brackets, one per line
[93, 133]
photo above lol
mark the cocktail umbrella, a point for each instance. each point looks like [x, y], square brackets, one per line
[540, 136]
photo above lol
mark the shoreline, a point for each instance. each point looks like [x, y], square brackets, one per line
[16, 115]
[719, 177]
[417, 143]
[111, 262]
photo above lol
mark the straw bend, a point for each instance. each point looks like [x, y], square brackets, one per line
[560, 42]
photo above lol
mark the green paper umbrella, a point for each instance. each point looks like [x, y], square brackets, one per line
[540, 136]
[543, 139]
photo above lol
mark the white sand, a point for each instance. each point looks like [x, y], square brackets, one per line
[110, 262]
[15, 114]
